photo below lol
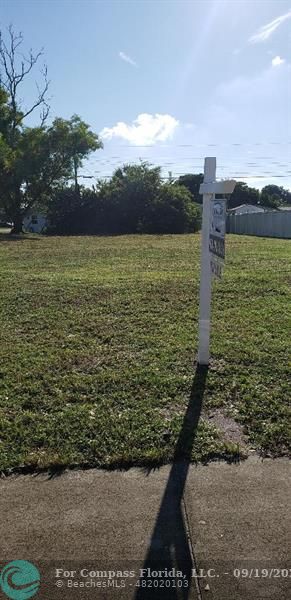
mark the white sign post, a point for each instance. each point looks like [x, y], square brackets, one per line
[213, 220]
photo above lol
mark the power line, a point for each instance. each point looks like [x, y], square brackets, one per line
[208, 145]
[175, 175]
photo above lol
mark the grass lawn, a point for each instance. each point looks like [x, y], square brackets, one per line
[98, 344]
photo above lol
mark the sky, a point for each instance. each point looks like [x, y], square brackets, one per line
[169, 81]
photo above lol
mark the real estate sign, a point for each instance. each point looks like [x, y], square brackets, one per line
[217, 235]
[212, 247]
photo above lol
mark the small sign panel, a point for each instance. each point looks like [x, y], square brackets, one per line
[216, 267]
[217, 246]
[217, 228]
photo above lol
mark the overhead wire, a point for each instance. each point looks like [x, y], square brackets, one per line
[247, 167]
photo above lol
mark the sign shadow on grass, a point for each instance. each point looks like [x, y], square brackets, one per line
[170, 545]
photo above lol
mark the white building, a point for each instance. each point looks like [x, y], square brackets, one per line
[35, 222]
[244, 209]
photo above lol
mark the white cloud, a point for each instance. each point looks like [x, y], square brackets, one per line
[145, 130]
[266, 31]
[277, 61]
[127, 59]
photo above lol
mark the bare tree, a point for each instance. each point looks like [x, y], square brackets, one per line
[14, 68]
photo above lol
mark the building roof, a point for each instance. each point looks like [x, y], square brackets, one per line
[243, 205]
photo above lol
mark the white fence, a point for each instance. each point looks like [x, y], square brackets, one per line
[269, 224]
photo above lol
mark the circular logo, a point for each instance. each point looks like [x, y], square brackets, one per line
[20, 580]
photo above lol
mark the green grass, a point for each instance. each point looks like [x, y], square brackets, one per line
[98, 343]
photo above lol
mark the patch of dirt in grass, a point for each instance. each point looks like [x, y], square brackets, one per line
[217, 365]
[87, 364]
[231, 431]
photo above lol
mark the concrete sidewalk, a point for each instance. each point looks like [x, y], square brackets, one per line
[218, 518]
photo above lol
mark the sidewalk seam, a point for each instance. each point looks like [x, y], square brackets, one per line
[191, 549]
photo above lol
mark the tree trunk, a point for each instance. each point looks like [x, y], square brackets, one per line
[77, 190]
[17, 214]
[17, 224]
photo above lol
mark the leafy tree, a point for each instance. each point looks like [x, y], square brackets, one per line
[243, 194]
[279, 193]
[192, 183]
[33, 160]
[270, 201]
[80, 141]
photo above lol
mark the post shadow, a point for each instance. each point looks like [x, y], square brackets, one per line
[169, 546]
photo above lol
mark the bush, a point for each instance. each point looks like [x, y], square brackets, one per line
[134, 201]
[172, 212]
[71, 213]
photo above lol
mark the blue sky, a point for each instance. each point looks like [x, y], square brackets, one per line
[170, 81]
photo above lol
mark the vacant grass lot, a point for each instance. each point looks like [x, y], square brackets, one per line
[98, 343]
